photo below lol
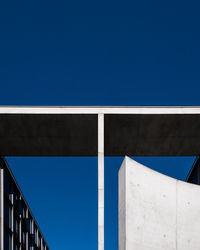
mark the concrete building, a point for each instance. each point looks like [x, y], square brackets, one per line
[156, 211]
[99, 131]
[19, 230]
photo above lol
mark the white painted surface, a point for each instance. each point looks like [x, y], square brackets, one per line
[101, 182]
[156, 212]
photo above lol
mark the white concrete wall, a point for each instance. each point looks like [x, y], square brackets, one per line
[156, 212]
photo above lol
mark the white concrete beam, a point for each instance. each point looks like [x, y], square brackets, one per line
[100, 182]
[98, 110]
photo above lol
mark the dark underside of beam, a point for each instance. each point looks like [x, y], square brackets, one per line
[77, 135]
[48, 135]
[152, 135]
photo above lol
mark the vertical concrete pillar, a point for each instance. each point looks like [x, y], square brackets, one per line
[1, 210]
[100, 181]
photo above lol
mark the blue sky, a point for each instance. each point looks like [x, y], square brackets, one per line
[93, 53]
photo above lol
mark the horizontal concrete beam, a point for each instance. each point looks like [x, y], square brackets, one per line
[99, 109]
[73, 131]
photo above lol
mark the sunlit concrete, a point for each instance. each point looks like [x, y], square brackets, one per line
[156, 212]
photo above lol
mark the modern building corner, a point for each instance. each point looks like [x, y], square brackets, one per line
[19, 230]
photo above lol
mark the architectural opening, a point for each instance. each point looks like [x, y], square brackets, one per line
[65, 194]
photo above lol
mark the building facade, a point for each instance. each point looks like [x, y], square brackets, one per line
[19, 230]
[194, 174]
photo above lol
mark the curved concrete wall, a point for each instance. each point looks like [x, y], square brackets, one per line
[156, 212]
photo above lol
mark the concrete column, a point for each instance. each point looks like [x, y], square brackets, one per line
[100, 181]
[1, 210]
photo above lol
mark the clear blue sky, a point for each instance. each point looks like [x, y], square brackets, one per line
[93, 53]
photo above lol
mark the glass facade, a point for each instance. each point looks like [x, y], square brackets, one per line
[21, 231]
[194, 175]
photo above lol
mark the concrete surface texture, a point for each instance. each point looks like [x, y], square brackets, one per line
[156, 212]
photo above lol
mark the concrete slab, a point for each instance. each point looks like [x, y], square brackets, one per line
[156, 212]
[73, 131]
